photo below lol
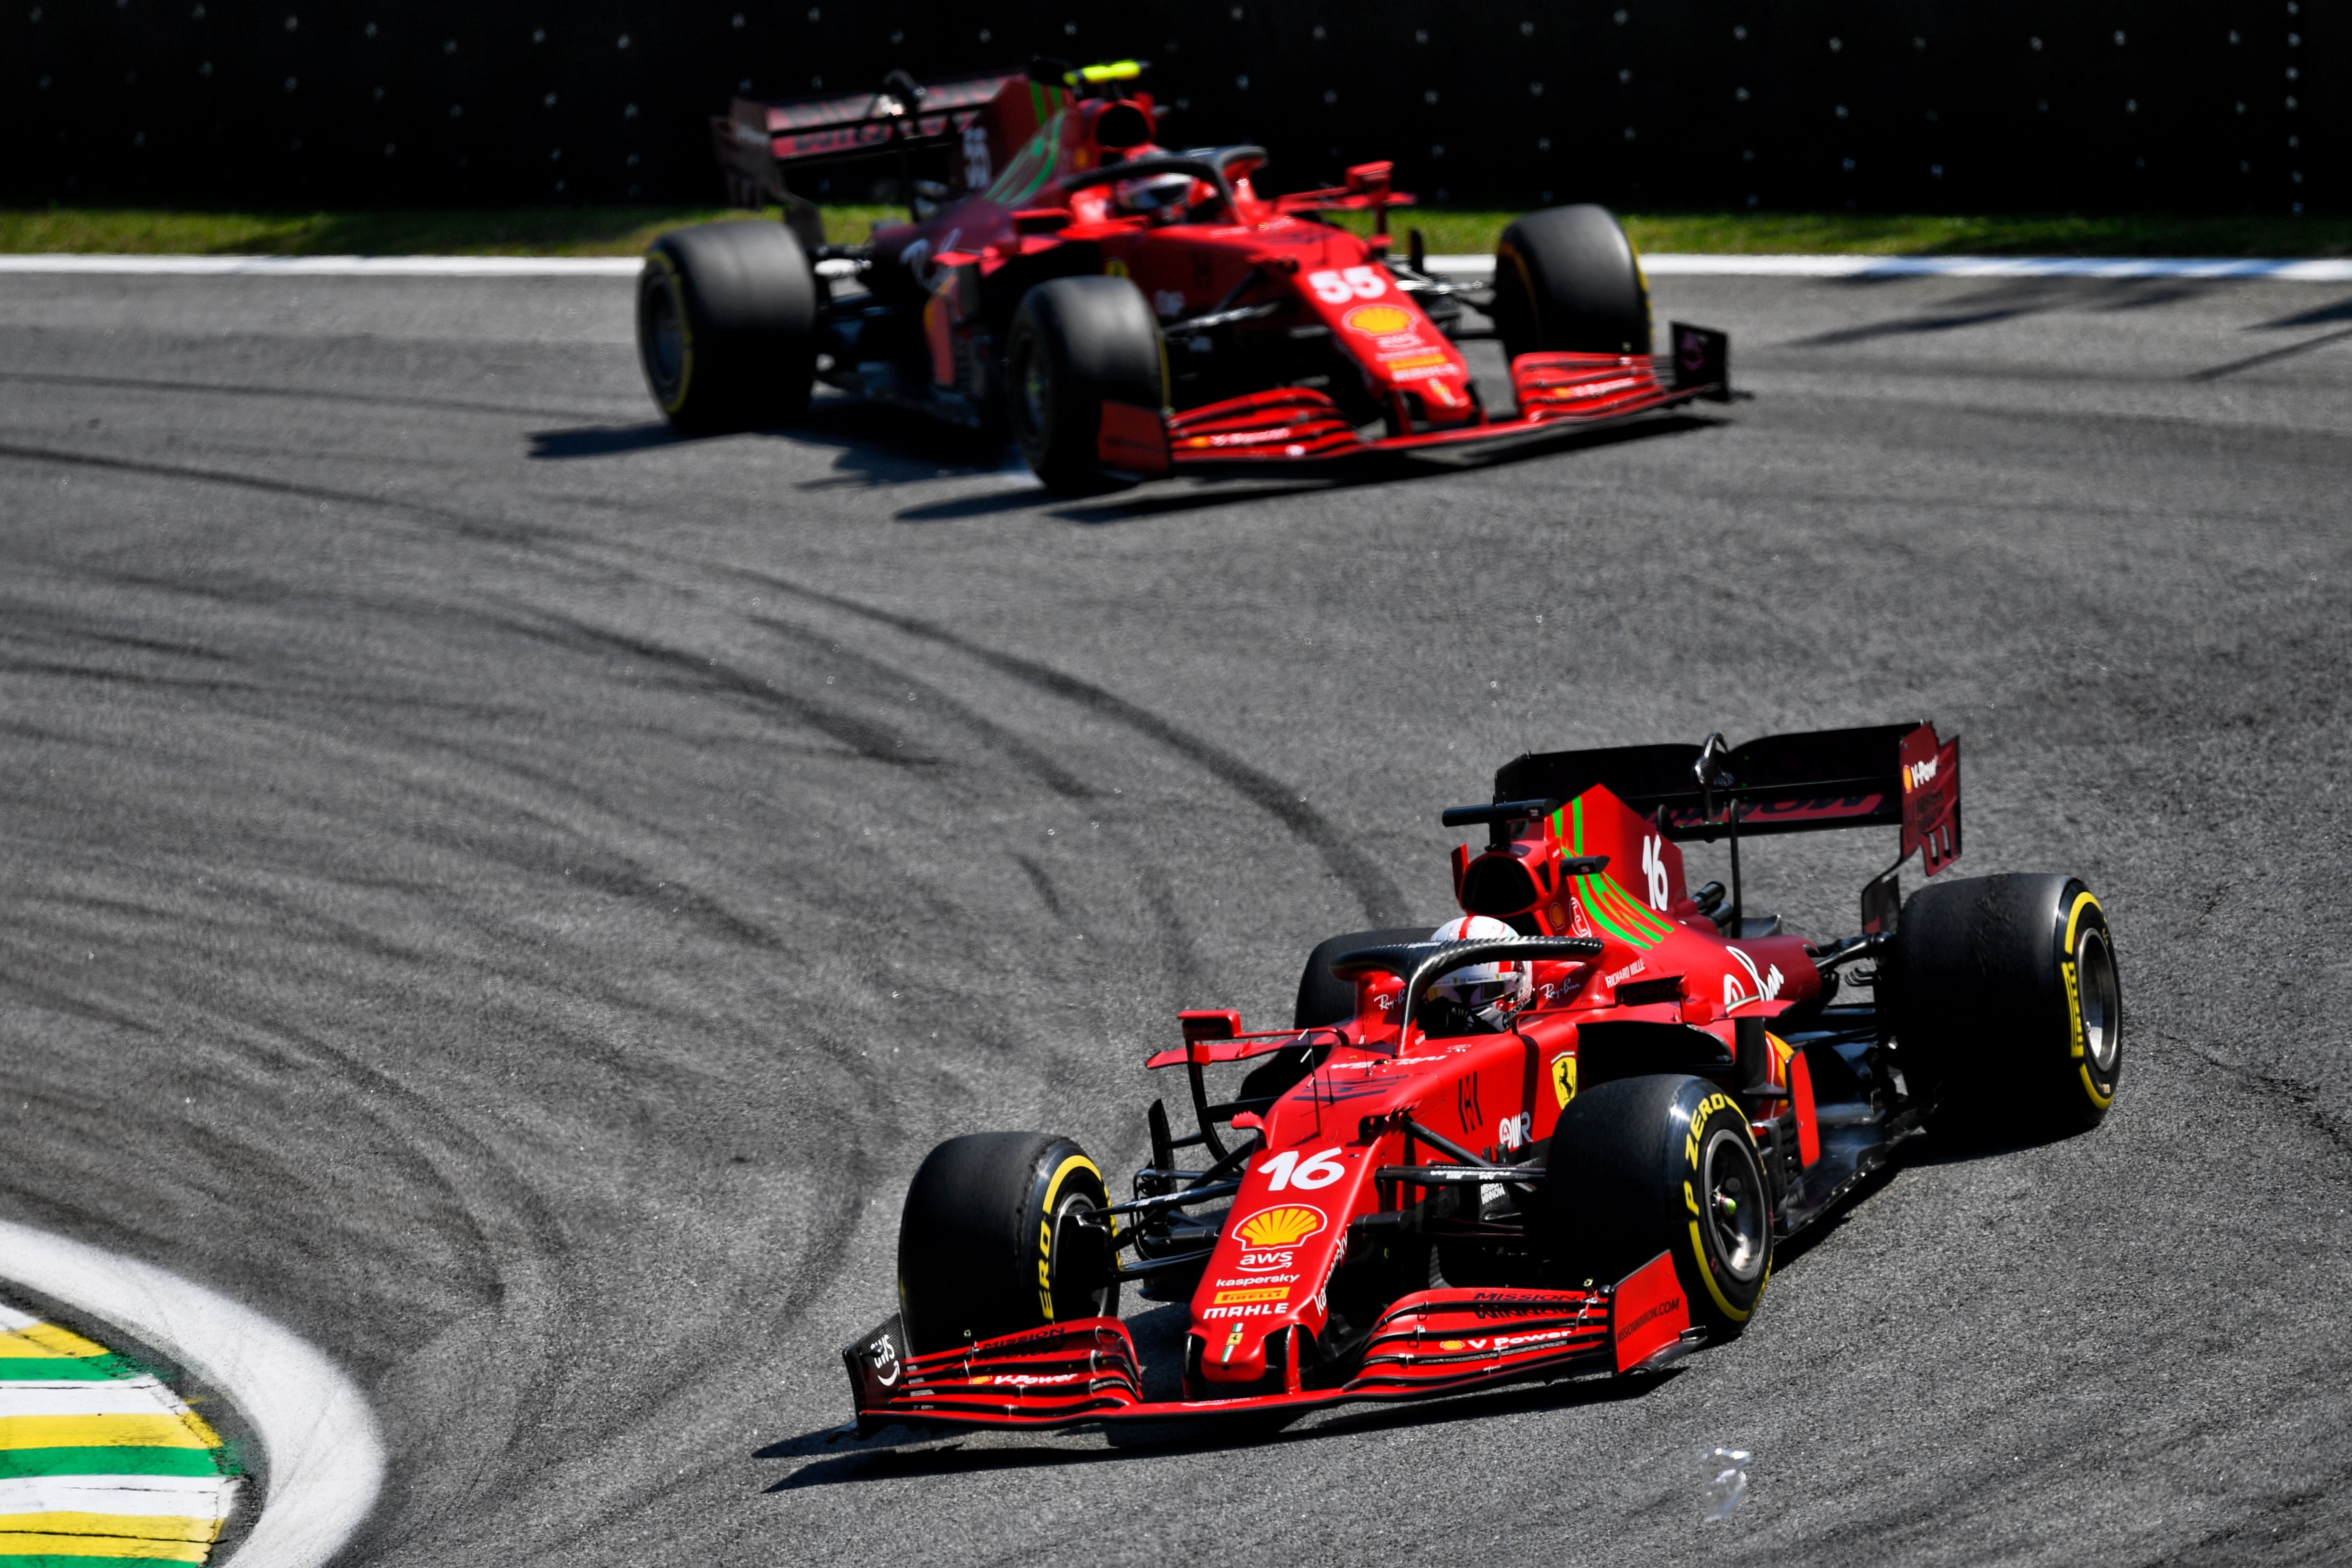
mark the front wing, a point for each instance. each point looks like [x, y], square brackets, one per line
[1300, 426]
[1434, 1342]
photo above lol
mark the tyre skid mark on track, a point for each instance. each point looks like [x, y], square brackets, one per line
[1354, 869]
[870, 741]
[1156, 895]
[298, 394]
[466, 523]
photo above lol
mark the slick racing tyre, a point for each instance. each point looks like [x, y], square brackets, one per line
[1664, 1163]
[725, 325]
[988, 1244]
[1567, 281]
[2005, 1003]
[1077, 343]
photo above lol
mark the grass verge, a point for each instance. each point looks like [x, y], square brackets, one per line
[625, 230]
[490, 231]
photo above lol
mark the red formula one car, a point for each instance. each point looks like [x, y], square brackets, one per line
[1130, 310]
[1561, 1138]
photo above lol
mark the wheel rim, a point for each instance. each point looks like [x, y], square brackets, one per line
[664, 338]
[1032, 395]
[1737, 1214]
[2099, 997]
[1064, 1216]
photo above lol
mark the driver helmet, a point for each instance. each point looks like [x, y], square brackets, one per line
[1489, 993]
[1157, 196]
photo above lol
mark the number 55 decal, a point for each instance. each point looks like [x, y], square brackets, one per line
[1319, 1169]
[1337, 288]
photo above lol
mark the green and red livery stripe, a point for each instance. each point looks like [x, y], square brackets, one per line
[1611, 906]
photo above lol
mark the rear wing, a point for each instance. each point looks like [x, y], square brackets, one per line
[755, 141]
[1892, 776]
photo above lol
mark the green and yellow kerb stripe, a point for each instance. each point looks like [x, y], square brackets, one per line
[1606, 904]
[99, 1462]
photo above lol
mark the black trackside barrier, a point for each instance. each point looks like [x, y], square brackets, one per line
[1907, 105]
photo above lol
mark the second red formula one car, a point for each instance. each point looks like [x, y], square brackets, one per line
[1130, 310]
[1560, 1135]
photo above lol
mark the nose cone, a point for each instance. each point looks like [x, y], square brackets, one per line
[1233, 1352]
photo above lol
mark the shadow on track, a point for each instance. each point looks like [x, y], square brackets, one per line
[2006, 299]
[1134, 505]
[926, 1454]
[880, 446]
[604, 441]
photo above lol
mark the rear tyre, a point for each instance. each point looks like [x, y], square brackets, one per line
[2006, 1006]
[727, 325]
[1077, 343]
[1568, 281]
[1664, 1163]
[988, 1243]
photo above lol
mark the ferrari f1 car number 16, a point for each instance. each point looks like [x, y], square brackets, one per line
[1561, 1134]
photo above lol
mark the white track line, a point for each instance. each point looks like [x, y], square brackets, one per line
[1668, 265]
[1664, 265]
[325, 1458]
[189, 1496]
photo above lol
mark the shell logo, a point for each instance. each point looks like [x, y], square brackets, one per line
[1377, 319]
[1284, 1227]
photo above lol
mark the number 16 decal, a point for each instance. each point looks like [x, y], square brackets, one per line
[1319, 1169]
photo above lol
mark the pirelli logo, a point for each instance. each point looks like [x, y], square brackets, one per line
[1264, 1293]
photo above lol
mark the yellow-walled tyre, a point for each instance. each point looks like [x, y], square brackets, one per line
[2006, 1004]
[725, 325]
[990, 1243]
[1661, 1164]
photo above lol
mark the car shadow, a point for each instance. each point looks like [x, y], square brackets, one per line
[837, 1457]
[879, 447]
[1376, 469]
[604, 441]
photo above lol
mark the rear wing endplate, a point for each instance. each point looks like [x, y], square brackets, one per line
[755, 140]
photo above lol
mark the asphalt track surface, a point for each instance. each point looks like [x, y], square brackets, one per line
[512, 895]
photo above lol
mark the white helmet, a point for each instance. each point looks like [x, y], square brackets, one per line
[1488, 993]
[1161, 197]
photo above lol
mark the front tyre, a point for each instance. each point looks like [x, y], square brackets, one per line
[727, 326]
[2006, 1004]
[990, 1243]
[1077, 343]
[1568, 279]
[1663, 1163]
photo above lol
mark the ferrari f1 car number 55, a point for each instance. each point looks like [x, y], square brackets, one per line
[1129, 309]
[1561, 1134]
